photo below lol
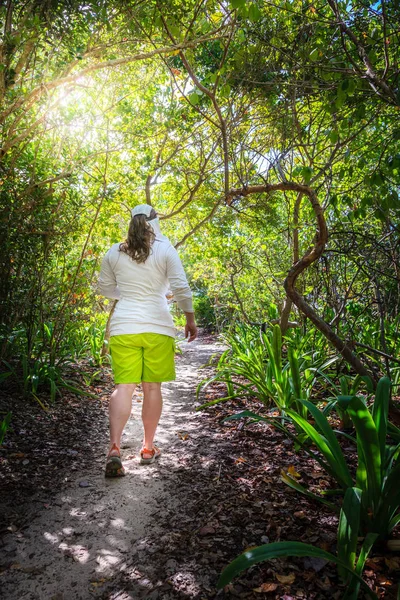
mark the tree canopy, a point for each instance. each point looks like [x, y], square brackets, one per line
[266, 134]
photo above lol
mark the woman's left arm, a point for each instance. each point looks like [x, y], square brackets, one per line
[107, 283]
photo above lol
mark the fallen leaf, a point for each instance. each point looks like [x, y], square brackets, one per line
[324, 482]
[299, 514]
[316, 474]
[324, 584]
[286, 579]
[240, 460]
[373, 565]
[325, 546]
[207, 530]
[265, 588]
[292, 471]
[393, 563]
[384, 580]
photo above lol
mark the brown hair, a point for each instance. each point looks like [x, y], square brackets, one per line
[140, 238]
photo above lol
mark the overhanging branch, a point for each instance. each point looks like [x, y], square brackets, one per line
[304, 262]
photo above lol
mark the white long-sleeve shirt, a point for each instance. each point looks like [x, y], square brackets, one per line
[141, 288]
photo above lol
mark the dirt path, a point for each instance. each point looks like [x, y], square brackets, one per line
[79, 548]
[164, 532]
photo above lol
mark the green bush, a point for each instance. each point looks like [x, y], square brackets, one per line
[205, 314]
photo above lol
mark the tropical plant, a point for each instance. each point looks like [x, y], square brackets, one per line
[349, 386]
[378, 467]
[255, 358]
[349, 568]
[38, 374]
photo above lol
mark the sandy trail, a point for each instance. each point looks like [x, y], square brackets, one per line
[95, 526]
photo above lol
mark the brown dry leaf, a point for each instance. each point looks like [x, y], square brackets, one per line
[292, 471]
[207, 530]
[324, 584]
[286, 579]
[325, 546]
[393, 563]
[299, 514]
[324, 482]
[383, 580]
[265, 588]
[16, 455]
[240, 460]
[316, 474]
[372, 563]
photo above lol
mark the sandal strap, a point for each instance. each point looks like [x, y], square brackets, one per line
[114, 447]
[148, 450]
[151, 451]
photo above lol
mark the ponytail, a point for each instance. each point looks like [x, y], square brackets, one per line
[140, 238]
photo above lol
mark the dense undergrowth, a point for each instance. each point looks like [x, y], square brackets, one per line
[306, 394]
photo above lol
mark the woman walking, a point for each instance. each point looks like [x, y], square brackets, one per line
[138, 272]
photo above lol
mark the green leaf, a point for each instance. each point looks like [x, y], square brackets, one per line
[307, 174]
[254, 13]
[194, 98]
[323, 425]
[295, 485]
[333, 137]
[331, 465]
[380, 411]
[295, 371]
[368, 444]
[349, 525]
[4, 425]
[276, 550]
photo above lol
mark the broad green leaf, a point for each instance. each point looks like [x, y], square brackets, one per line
[349, 525]
[277, 550]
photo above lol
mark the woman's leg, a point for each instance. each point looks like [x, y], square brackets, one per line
[119, 411]
[151, 411]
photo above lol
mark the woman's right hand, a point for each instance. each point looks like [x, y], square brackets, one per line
[190, 327]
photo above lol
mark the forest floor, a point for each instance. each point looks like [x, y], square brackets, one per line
[167, 530]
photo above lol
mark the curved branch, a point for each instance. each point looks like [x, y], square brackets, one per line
[304, 262]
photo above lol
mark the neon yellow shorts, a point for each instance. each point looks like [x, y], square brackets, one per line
[137, 357]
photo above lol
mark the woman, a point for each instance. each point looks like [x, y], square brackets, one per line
[138, 272]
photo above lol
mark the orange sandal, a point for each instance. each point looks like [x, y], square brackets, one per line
[154, 452]
[114, 466]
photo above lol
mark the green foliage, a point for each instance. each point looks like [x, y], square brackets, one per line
[253, 366]
[204, 309]
[378, 467]
[4, 425]
[296, 105]
[283, 549]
